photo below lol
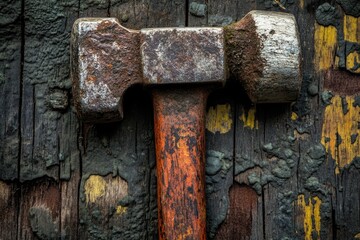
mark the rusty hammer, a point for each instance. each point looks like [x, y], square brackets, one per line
[261, 50]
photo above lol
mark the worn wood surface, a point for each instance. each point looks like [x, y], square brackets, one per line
[287, 171]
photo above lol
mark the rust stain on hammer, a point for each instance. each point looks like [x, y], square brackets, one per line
[105, 63]
[243, 51]
[263, 52]
[183, 55]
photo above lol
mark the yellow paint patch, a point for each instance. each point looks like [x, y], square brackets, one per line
[219, 119]
[352, 60]
[94, 188]
[336, 126]
[248, 118]
[351, 29]
[294, 116]
[312, 217]
[120, 210]
[325, 46]
[352, 34]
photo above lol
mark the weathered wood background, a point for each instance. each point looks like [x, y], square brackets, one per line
[285, 171]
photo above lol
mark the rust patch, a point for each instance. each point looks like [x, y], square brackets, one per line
[243, 53]
[105, 63]
[183, 55]
[341, 82]
[179, 116]
[263, 52]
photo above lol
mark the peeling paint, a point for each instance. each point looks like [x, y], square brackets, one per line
[353, 62]
[352, 34]
[121, 210]
[248, 118]
[351, 29]
[338, 125]
[219, 119]
[94, 188]
[325, 46]
[294, 116]
[312, 216]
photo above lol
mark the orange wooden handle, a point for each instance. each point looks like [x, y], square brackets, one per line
[180, 157]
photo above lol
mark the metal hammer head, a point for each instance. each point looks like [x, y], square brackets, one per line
[263, 52]
[105, 62]
[183, 55]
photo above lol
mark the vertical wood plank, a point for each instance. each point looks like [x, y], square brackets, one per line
[10, 94]
[46, 86]
[220, 125]
[10, 82]
[249, 163]
[49, 128]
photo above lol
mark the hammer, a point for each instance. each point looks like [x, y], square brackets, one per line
[181, 66]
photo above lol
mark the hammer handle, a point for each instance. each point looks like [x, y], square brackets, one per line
[180, 157]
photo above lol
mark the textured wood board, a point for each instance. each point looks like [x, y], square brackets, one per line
[317, 200]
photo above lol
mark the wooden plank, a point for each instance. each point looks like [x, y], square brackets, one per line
[248, 165]
[49, 127]
[318, 200]
[70, 175]
[220, 125]
[46, 86]
[10, 82]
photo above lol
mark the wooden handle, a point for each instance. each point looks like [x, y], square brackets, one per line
[180, 157]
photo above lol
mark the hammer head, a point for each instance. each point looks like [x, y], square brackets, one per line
[263, 51]
[183, 55]
[105, 62]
